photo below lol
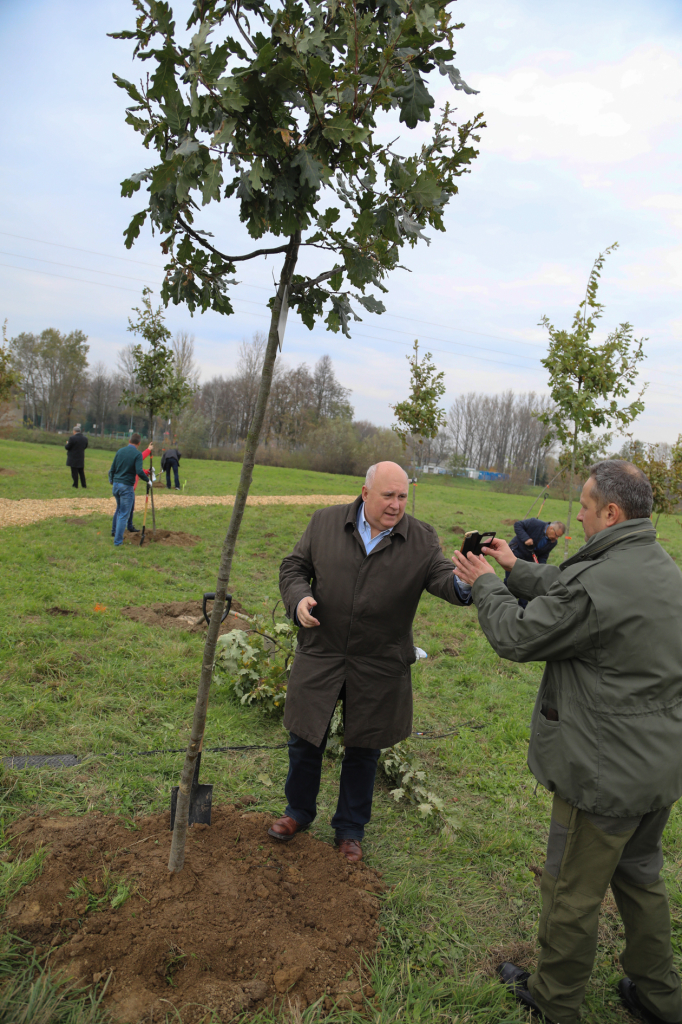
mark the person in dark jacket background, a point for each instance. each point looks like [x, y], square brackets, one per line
[535, 540]
[363, 567]
[605, 739]
[171, 460]
[75, 455]
[126, 466]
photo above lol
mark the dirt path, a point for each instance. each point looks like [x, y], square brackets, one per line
[30, 510]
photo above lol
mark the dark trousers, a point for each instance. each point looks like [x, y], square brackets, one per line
[130, 518]
[172, 464]
[356, 787]
[77, 471]
[586, 854]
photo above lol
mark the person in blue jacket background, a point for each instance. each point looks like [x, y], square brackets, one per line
[534, 541]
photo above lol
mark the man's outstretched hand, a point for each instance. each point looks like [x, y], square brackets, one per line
[303, 611]
[470, 567]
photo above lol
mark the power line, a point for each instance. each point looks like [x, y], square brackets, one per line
[258, 287]
[91, 252]
[356, 334]
[70, 266]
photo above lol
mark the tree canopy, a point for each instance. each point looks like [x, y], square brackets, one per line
[281, 115]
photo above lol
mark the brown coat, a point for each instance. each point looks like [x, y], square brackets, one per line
[366, 606]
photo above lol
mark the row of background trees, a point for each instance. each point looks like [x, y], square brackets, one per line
[309, 419]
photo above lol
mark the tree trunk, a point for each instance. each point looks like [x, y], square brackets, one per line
[177, 853]
[570, 491]
[656, 523]
[151, 462]
[414, 474]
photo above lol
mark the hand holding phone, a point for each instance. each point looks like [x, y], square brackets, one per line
[474, 541]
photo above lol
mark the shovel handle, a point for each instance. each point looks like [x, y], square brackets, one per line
[211, 597]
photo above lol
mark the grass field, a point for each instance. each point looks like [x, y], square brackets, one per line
[95, 683]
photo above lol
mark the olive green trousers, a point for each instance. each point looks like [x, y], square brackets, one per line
[585, 854]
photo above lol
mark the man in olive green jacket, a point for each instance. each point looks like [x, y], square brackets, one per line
[606, 736]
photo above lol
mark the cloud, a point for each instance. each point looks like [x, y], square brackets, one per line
[606, 113]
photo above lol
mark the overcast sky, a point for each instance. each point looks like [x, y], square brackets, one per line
[583, 147]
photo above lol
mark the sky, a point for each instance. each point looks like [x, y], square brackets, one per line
[583, 104]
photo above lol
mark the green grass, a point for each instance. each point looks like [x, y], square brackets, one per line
[41, 472]
[95, 682]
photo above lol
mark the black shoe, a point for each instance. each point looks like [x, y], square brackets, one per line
[515, 978]
[628, 994]
[113, 533]
[132, 529]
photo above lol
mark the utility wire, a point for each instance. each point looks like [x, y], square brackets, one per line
[356, 334]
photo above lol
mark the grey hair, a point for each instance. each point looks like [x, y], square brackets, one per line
[559, 526]
[619, 482]
[369, 475]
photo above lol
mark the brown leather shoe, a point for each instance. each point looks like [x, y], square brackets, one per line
[286, 828]
[351, 849]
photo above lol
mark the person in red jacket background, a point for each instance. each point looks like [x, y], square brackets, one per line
[130, 527]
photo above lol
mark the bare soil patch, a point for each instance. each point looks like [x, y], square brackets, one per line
[458, 529]
[187, 615]
[247, 922]
[167, 538]
[79, 522]
[7, 472]
[56, 610]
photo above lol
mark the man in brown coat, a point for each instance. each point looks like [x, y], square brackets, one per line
[362, 568]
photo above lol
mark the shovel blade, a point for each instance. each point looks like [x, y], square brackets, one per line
[200, 799]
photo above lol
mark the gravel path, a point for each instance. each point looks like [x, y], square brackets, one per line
[29, 510]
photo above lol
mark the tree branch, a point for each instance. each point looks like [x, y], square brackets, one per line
[228, 259]
[306, 285]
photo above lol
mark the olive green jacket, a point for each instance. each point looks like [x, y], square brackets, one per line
[608, 623]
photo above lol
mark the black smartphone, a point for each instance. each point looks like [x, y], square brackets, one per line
[474, 541]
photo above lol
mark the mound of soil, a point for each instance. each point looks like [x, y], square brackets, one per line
[167, 538]
[247, 922]
[7, 472]
[187, 615]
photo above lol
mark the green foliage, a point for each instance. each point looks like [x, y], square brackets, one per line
[281, 115]
[419, 416]
[163, 389]
[410, 782]
[664, 474]
[586, 381]
[9, 377]
[112, 891]
[256, 664]
[17, 873]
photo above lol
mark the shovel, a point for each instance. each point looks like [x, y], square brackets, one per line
[144, 518]
[200, 798]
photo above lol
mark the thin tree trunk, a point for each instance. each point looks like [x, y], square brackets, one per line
[414, 474]
[177, 853]
[570, 491]
[151, 463]
[656, 523]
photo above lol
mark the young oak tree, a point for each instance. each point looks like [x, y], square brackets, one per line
[161, 386]
[419, 416]
[282, 115]
[587, 380]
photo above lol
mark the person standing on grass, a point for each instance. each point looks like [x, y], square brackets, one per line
[75, 455]
[605, 739]
[126, 465]
[363, 567]
[131, 528]
[534, 541]
[171, 460]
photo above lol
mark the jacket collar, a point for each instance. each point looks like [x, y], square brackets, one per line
[629, 531]
[352, 516]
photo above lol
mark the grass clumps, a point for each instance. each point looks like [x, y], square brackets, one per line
[111, 891]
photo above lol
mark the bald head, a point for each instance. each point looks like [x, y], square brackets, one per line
[384, 495]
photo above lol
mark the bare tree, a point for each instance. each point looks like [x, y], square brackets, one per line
[185, 364]
[499, 432]
[103, 393]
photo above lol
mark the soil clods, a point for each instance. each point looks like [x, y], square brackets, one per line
[247, 923]
[187, 615]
